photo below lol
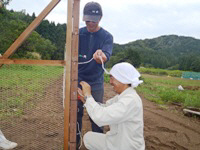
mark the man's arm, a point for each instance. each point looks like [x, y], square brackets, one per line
[106, 50]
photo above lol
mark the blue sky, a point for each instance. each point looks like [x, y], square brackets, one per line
[130, 20]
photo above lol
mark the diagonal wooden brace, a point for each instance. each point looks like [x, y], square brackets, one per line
[29, 29]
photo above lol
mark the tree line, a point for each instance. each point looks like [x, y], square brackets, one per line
[170, 52]
[48, 42]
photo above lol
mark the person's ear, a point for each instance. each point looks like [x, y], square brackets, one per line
[100, 19]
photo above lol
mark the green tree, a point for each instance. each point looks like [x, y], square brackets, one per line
[128, 55]
[195, 65]
[11, 26]
[133, 57]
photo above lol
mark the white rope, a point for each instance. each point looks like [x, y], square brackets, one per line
[103, 66]
[80, 63]
[79, 133]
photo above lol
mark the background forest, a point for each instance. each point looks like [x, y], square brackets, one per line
[48, 42]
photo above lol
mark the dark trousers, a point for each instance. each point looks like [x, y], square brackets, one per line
[98, 96]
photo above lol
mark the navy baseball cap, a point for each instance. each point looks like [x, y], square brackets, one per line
[92, 12]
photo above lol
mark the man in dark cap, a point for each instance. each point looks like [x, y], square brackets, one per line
[95, 43]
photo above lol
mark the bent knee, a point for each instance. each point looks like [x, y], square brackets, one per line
[87, 138]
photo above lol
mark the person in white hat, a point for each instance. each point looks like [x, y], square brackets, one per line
[6, 144]
[123, 113]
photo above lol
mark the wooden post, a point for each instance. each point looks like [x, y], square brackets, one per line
[70, 112]
[68, 74]
[74, 75]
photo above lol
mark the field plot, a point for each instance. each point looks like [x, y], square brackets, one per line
[164, 89]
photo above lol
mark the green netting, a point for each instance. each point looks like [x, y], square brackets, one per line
[191, 75]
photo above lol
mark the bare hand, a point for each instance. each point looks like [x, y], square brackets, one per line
[86, 89]
[99, 54]
[80, 95]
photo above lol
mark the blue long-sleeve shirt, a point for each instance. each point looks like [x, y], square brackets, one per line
[89, 43]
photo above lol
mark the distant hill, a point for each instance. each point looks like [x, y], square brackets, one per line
[168, 52]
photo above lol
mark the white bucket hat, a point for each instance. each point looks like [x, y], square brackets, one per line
[126, 73]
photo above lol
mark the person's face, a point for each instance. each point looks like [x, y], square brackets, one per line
[117, 86]
[92, 26]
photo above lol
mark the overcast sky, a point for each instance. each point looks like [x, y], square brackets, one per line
[130, 20]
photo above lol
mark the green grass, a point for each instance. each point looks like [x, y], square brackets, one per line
[163, 89]
[154, 71]
[161, 86]
[106, 78]
[20, 84]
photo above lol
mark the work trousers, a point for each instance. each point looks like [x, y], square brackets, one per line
[98, 96]
[95, 141]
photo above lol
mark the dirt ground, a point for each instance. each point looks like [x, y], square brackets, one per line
[165, 127]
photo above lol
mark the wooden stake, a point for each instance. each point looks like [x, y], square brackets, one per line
[74, 74]
[68, 74]
[71, 75]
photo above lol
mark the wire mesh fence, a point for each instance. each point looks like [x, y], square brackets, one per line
[31, 106]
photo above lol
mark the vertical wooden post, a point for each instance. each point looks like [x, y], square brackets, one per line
[70, 111]
[74, 75]
[68, 74]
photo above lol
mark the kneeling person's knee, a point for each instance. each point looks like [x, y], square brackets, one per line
[87, 138]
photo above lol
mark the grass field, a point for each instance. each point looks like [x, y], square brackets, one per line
[20, 84]
[154, 71]
[161, 86]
